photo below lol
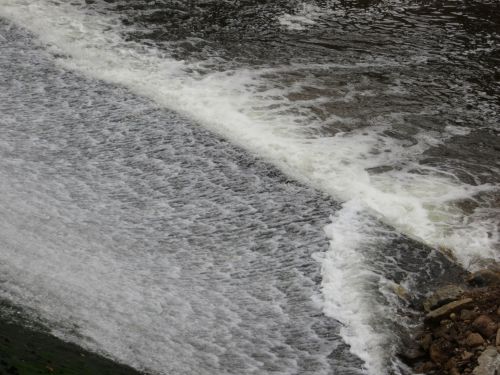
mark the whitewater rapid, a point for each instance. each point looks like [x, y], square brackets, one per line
[72, 234]
[237, 105]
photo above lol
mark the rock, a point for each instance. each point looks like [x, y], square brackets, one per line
[485, 326]
[443, 330]
[411, 350]
[497, 340]
[401, 292]
[450, 364]
[467, 314]
[425, 368]
[486, 277]
[444, 311]
[473, 340]
[454, 371]
[439, 352]
[412, 354]
[443, 296]
[489, 362]
[425, 341]
[466, 356]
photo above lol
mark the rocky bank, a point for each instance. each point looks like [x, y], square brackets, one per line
[461, 328]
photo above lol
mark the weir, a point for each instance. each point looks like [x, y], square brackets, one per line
[183, 211]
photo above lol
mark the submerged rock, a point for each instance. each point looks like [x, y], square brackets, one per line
[440, 352]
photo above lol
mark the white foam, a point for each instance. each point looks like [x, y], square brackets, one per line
[352, 288]
[255, 113]
[236, 104]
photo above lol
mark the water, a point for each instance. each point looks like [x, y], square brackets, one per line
[169, 173]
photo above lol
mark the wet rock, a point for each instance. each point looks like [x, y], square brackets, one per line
[425, 368]
[485, 326]
[473, 340]
[486, 277]
[452, 363]
[466, 356]
[443, 331]
[466, 314]
[443, 296]
[401, 292]
[440, 352]
[425, 341]
[444, 311]
[489, 362]
[412, 354]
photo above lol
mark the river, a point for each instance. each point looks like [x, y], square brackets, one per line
[240, 187]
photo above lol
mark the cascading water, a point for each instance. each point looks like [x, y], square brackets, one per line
[165, 184]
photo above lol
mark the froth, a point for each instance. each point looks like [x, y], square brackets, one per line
[353, 288]
[241, 106]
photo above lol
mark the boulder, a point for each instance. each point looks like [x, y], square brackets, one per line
[445, 311]
[474, 339]
[443, 296]
[485, 326]
[401, 292]
[489, 362]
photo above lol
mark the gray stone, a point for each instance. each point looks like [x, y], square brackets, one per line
[445, 311]
[489, 362]
[442, 296]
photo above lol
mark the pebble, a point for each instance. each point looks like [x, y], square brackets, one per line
[474, 339]
[485, 326]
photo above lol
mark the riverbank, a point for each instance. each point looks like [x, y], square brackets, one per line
[461, 328]
[26, 348]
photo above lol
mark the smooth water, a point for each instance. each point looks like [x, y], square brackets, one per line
[168, 172]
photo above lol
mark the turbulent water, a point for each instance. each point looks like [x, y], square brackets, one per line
[238, 187]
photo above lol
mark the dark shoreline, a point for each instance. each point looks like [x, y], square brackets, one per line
[27, 348]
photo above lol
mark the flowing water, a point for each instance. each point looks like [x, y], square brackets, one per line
[238, 187]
